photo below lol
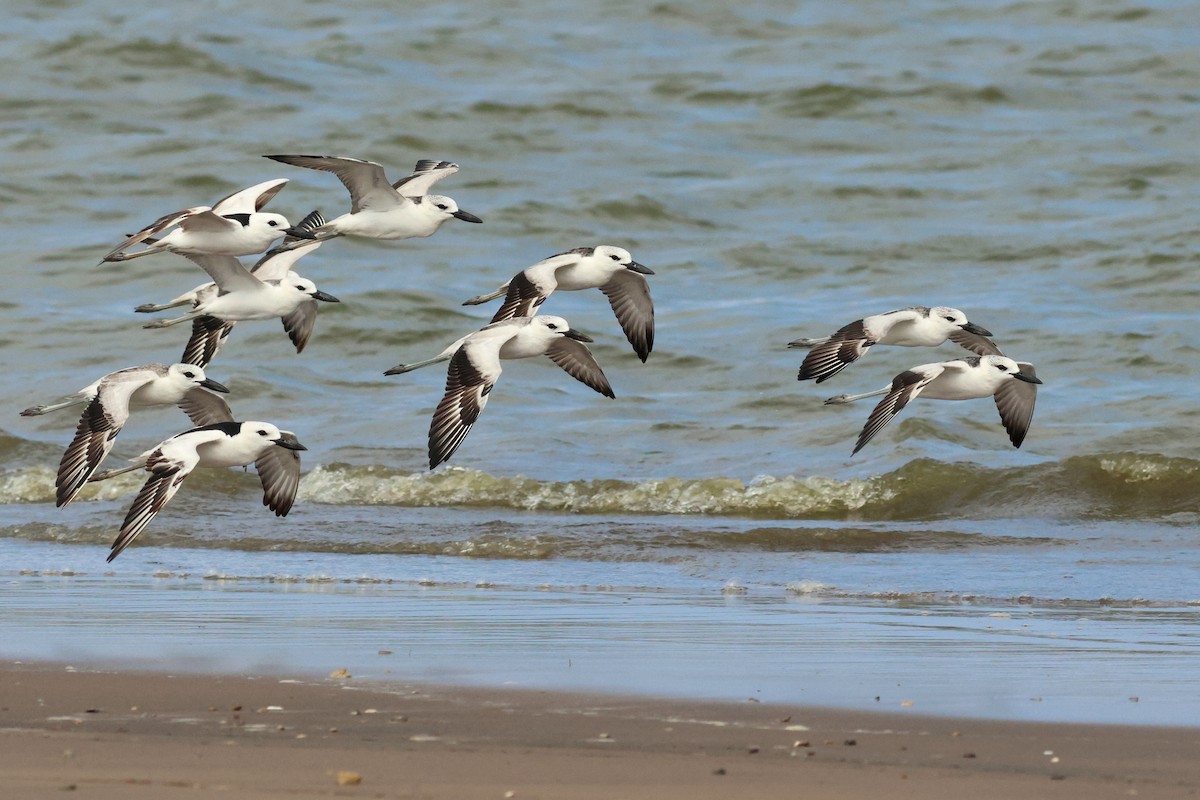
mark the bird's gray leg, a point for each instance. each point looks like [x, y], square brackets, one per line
[130, 256]
[112, 473]
[400, 369]
[291, 243]
[166, 323]
[34, 411]
[850, 398]
[483, 298]
[149, 308]
[806, 343]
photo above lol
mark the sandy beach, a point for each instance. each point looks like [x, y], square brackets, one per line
[131, 735]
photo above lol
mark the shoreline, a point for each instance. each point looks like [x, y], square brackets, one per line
[133, 735]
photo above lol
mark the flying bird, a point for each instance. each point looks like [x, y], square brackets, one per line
[223, 444]
[1012, 384]
[917, 326]
[610, 269]
[382, 210]
[475, 367]
[240, 295]
[109, 402]
[209, 333]
[234, 226]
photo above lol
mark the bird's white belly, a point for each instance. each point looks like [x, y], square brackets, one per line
[912, 334]
[267, 303]
[576, 277]
[155, 393]
[517, 347]
[229, 453]
[240, 242]
[958, 386]
[402, 222]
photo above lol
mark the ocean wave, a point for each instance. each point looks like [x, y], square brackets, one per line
[1108, 486]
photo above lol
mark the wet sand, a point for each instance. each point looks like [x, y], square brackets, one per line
[134, 735]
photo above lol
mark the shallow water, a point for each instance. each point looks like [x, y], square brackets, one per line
[783, 170]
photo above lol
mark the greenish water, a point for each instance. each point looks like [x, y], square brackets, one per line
[784, 170]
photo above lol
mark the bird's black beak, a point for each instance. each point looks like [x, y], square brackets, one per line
[641, 269]
[971, 327]
[1021, 376]
[288, 439]
[465, 216]
[577, 336]
[209, 383]
[324, 296]
[300, 233]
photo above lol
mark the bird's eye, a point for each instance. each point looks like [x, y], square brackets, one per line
[551, 326]
[263, 433]
[615, 257]
[272, 223]
[1002, 367]
[442, 206]
[300, 287]
[950, 319]
[189, 374]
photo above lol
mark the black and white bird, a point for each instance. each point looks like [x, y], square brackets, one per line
[1012, 384]
[917, 326]
[383, 210]
[109, 402]
[233, 226]
[240, 295]
[475, 367]
[223, 444]
[209, 333]
[610, 269]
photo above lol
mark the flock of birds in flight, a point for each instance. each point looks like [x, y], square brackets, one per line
[213, 237]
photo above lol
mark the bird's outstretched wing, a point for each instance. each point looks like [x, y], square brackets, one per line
[167, 473]
[474, 370]
[905, 387]
[629, 295]
[98, 426]
[279, 471]
[365, 180]
[843, 348]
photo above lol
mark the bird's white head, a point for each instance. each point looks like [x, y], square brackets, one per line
[952, 318]
[552, 327]
[187, 376]
[1002, 368]
[619, 257]
[297, 283]
[269, 434]
[268, 224]
[444, 208]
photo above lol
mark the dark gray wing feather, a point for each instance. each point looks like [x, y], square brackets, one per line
[467, 389]
[523, 298]
[578, 362]
[905, 387]
[93, 440]
[208, 334]
[205, 408]
[843, 348]
[279, 471]
[299, 324]
[979, 345]
[365, 180]
[165, 479]
[629, 295]
[1015, 401]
